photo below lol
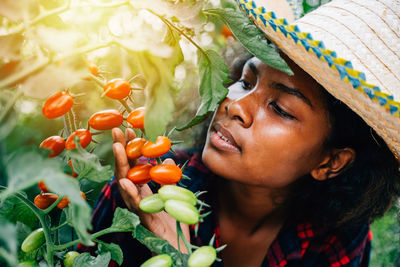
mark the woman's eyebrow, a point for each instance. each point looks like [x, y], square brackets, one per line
[253, 67]
[292, 91]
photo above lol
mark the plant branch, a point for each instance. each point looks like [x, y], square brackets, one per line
[10, 104]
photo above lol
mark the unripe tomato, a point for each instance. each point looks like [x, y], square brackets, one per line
[43, 201]
[182, 211]
[42, 187]
[176, 192]
[33, 241]
[117, 89]
[65, 201]
[134, 148]
[57, 105]
[202, 257]
[136, 118]
[162, 146]
[70, 257]
[85, 139]
[55, 144]
[166, 174]
[162, 260]
[152, 204]
[74, 174]
[139, 174]
[106, 119]
[27, 264]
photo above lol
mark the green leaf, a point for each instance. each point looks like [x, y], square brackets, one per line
[15, 210]
[114, 249]
[252, 38]
[8, 242]
[79, 218]
[159, 101]
[159, 245]
[214, 74]
[87, 165]
[124, 221]
[86, 260]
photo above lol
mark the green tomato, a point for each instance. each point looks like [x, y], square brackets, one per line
[70, 257]
[162, 260]
[182, 211]
[28, 264]
[168, 192]
[202, 257]
[33, 240]
[152, 204]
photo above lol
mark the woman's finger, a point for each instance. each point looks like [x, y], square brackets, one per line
[121, 161]
[169, 161]
[118, 136]
[129, 135]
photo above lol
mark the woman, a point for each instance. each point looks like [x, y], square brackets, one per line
[294, 176]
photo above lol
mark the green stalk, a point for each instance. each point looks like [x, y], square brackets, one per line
[182, 236]
[10, 104]
[41, 216]
[159, 162]
[51, 207]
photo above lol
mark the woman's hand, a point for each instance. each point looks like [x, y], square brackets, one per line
[159, 223]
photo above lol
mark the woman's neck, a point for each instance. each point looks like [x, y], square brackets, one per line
[250, 207]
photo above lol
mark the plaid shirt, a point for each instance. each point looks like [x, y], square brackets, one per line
[295, 245]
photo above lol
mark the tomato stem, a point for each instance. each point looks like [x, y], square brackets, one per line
[73, 119]
[51, 207]
[126, 106]
[97, 80]
[182, 236]
[159, 162]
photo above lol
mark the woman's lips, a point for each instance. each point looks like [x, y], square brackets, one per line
[223, 140]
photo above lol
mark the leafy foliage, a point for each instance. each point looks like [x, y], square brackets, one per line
[15, 211]
[214, 74]
[115, 250]
[251, 37]
[86, 260]
[8, 242]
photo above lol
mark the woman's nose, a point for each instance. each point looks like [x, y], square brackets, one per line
[240, 110]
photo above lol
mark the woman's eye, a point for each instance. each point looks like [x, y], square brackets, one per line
[278, 110]
[245, 85]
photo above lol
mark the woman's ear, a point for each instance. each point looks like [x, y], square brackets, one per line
[334, 163]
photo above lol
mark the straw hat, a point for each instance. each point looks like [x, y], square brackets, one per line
[350, 47]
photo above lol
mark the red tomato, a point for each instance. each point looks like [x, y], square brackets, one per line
[166, 174]
[226, 32]
[43, 201]
[42, 187]
[65, 201]
[136, 118]
[84, 141]
[73, 173]
[92, 68]
[57, 105]
[106, 119]
[55, 144]
[162, 146]
[139, 174]
[134, 148]
[117, 89]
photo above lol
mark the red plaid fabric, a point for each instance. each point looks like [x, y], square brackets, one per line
[295, 245]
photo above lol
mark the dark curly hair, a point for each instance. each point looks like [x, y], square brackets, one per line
[362, 192]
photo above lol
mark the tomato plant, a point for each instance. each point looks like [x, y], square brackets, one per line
[134, 148]
[55, 144]
[152, 204]
[202, 257]
[117, 89]
[74, 174]
[70, 257]
[136, 118]
[106, 119]
[162, 260]
[43, 201]
[33, 241]
[140, 174]
[57, 105]
[153, 150]
[182, 211]
[166, 174]
[85, 137]
[176, 192]
[42, 187]
[65, 201]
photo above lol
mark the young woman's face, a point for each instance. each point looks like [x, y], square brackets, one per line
[270, 129]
